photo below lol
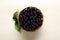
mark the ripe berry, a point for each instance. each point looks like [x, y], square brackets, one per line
[30, 18]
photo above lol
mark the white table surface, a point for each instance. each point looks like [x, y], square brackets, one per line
[51, 26]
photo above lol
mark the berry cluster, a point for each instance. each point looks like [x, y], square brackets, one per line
[30, 18]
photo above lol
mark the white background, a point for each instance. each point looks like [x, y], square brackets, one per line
[51, 26]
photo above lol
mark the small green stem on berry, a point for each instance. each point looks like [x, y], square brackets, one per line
[17, 27]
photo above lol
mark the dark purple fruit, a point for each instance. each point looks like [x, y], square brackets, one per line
[30, 19]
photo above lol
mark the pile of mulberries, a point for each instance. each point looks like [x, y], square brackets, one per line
[30, 18]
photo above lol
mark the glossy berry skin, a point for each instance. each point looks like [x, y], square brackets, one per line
[30, 18]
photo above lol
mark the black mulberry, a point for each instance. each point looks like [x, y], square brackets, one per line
[30, 18]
